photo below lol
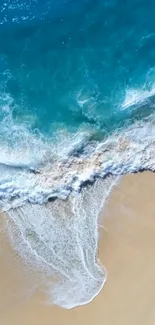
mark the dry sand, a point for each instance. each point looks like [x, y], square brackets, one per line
[126, 248]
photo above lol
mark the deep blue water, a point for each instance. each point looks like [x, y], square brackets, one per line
[56, 53]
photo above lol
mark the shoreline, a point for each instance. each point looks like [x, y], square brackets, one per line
[126, 244]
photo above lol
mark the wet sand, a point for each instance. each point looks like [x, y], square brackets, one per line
[126, 248]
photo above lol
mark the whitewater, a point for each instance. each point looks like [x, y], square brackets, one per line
[37, 171]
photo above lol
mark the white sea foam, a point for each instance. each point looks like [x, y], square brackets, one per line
[60, 240]
[138, 97]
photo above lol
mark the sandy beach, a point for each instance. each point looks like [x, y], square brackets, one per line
[126, 248]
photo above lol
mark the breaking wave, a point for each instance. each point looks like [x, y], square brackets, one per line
[36, 171]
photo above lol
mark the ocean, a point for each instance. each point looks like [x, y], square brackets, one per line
[77, 100]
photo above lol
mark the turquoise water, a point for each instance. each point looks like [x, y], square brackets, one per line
[77, 101]
[55, 54]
